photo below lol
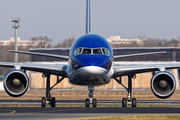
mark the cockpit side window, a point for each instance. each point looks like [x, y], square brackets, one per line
[97, 51]
[78, 51]
[106, 51]
[86, 51]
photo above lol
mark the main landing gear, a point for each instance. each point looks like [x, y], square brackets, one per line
[91, 95]
[48, 100]
[129, 100]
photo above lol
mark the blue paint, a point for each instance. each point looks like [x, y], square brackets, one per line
[91, 41]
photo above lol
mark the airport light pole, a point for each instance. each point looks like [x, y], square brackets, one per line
[15, 26]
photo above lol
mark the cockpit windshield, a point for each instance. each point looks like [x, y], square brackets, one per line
[86, 51]
[97, 51]
[92, 51]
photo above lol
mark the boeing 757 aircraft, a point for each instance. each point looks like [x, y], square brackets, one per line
[90, 63]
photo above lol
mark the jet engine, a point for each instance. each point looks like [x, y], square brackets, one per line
[16, 83]
[163, 84]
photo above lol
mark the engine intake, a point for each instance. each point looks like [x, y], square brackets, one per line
[16, 83]
[163, 84]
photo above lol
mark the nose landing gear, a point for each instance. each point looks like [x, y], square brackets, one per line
[91, 95]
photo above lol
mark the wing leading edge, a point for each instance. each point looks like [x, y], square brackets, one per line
[42, 54]
[55, 69]
[135, 69]
[140, 54]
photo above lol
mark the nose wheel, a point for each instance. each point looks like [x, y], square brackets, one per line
[88, 102]
[94, 103]
[91, 95]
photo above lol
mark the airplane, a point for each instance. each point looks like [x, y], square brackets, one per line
[90, 63]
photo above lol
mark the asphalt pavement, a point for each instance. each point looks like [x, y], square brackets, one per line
[38, 113]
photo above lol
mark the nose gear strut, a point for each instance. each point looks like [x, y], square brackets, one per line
[91, 95]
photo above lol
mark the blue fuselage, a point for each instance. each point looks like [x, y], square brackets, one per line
[91, 41]
[91, 58]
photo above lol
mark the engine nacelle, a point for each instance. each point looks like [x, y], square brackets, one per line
[16, 83]
[163, 84]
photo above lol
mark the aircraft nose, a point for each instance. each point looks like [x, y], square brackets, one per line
[91, 71]
[92, 61]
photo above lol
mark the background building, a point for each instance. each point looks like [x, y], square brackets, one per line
[23, 43]
[118, 40]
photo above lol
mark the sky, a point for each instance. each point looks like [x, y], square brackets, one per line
[60, 19]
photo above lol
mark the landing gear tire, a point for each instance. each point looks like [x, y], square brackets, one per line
[134, 102]
[53, 102]
[94, 103]
[124, 102]
[43, 102]
[87, 102]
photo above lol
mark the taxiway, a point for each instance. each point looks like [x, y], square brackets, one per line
[31, 113]
[38, 113]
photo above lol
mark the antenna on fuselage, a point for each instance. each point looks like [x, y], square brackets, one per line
[88, 16]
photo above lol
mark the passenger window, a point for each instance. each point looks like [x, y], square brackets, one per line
[86, 51]
[97, 51]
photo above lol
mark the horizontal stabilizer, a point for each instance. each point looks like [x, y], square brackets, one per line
[139, 54]
[42, 54]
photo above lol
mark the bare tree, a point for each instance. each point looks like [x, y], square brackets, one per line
[66, 43]
[41, 42]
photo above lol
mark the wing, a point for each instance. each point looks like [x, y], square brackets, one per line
[135, 69]
[139, 54]
[55, 69]
[42, 54]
